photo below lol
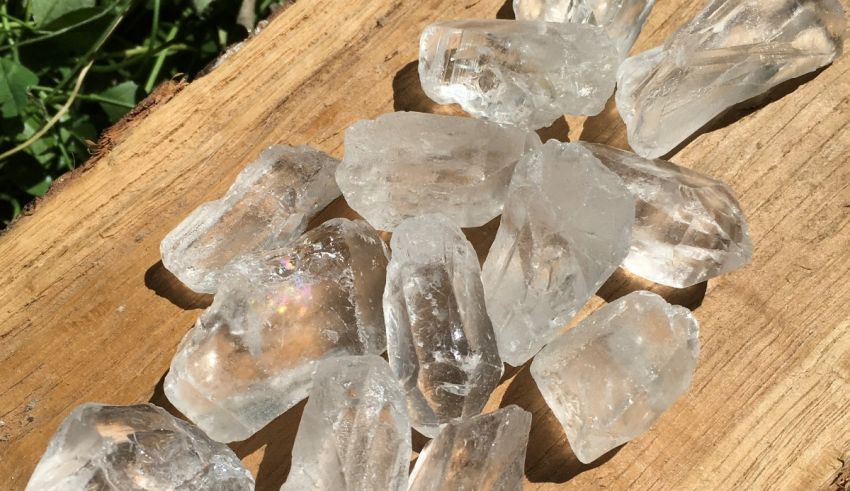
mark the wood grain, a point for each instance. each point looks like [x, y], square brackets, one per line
[87, 312]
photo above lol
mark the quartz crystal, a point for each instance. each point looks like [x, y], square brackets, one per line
[355, 434]
[523, 73]
[484, 452]
[565, 230]
[439, 338]
[622, 20]
[406, 164]
[268, 206]
[134, 448]
[731, 52]
[608, 379]
[688, 226]
[252, 353]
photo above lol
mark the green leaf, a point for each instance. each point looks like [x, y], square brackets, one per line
[201, 5]
[40, 188]
[15, 80]
[46, 11]
[124, 94]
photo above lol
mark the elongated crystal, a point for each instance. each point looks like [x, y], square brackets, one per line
[142, 447]
[439, 339]
[522, 73]
[267, 206]
[731, 52]
[252, 353]
[565, 230]
[608, 379]
[688, 226]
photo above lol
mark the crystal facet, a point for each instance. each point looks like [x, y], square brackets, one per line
[731, 52]
[406, 164]
[565, 230]
[688, 227]
[608, 379]
[267, 206]
[252, 353]
[522, 73]
[439, 339]
[484, 452]
[134, 448]
[622, 20]
[355, 434]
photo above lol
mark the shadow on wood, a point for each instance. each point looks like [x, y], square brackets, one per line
[482, 237]
[162, 282]
[506, 11]
[621, 283]
[559, 130]
[409, 96]
[549, 457]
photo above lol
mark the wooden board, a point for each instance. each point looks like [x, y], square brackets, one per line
[88, 313]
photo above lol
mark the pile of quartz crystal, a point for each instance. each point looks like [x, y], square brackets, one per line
[252, 353]
[732, 51]
[123, 448]
[268, 206]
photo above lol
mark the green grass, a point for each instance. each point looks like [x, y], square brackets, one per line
[71, 68]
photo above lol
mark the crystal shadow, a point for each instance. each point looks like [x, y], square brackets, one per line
[164, 284]
[621, 283]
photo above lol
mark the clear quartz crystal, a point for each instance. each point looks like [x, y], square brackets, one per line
[439, 339]
[523, 73]
[731, 52]
[484, 452]
[609, 379]
[134, 448]
[267, 206]
[252, 353]
[405, 164]
[622, 20]
[565, 230]
[688, 226]
[355, 434]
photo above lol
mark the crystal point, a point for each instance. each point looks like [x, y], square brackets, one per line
[130, 448]
[565, 230]
[439, 339]
[406, 164]
[731, 52]
[688, 226]
[522, 73]
[267, 206]
[355, 434]
[252, 353]
[608, 379]
[484, 452]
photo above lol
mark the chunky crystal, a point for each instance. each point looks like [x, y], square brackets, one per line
[355, 434]
[268, 206]
[483, 452]
[522, 73]
[252, 353]
[622, 20]
[142, 447]
[609, 379]
[439, 339]
[731, 52]
[565, 230]
[406, 164]
[688, 227]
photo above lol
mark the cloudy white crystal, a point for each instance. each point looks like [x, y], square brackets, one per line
[355, 433]
[688, 226]
[522, 73]
[731, 52]
[622, 20]
[609, 379]
[484, 452]
[565, 230]
[130, 448]
[405, 164]
[252, 353]
[439, 339]
[267, 206]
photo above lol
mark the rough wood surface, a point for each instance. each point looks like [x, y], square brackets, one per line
[87, 312]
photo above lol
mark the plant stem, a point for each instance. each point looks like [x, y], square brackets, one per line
[160, 59]
[8, 29]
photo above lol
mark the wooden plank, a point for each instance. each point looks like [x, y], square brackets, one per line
[87, 313]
